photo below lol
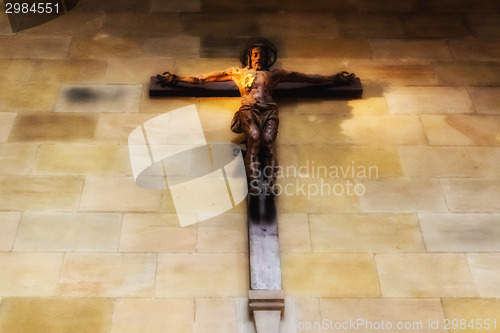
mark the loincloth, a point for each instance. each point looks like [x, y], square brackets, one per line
[260, 114]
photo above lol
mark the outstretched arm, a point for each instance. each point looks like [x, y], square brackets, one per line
[341, 78]
[170, 78]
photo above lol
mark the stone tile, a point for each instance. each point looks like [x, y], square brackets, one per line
[485, 269]
[391, 6]
[118, 194]
[223, 233]
[371, 312]
[29, 274]
[402, 195]
[227, 47]
[153, 315]
[215, 116]
[365, 233]
[307, 313]
[9, 222]
[486, 100]
[430, 162]
[482, 130]
[189, 275]
[53, 127]
[211, 312]
[72, 23]
[6, 123]
[78, 315]
[293, 24]
[231, 6]
[468, 73]
[371, 26]
[68, 71]
[116, 127]
[182, 46]
[113, 6]
[68, 232]
[18, 97]
[460, 6]
[5, 28]
[83, 159]
[99, 98]
[395, 72]
[220, 24]
[328, 48]
[15, 69]
[294, 233]
[471, 195]
[136, 70]
[107, 275]
[440, 133]
[156, 233]
[40, 193]
[424, 275]
[410, 49]
[484, 25]
[461, 232]
[134, 24]
[176, 6]
[329, 275]
[428, 100]
[104, 46]
[367, 106]
[187, 67]
[471, 309]
[17, 158]
[482, 50]
[435, 26]
[34, 47]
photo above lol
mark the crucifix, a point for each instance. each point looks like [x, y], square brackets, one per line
[257, 118]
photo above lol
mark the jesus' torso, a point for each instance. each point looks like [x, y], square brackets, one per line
[256, 86]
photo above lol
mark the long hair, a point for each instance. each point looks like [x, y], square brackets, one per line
[269, 51]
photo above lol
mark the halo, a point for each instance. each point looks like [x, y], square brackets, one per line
[269, 48]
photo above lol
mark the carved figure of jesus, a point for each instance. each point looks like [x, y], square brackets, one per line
[257, 117]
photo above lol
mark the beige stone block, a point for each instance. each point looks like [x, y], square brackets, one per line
[365, 233]
[68, 71]
[53, 127]
[9, 222]
[485, 269]
[17, 158]
[107, 275]
[484, 25]
[429, 162]
[402, 195]
[369, 105]
[468, 73]
[188, 67]
[428, 100]
[472, 309]
[215, 116]
[154, 105]
[15, 69]
[471, 195]
[118, 194]
[6, 123]
[395, 72]
[294, 233]
[68, 232]
[18, 97]
[72, 23]
[379, 314]
[486, 100]
[461, 232]
[202, 275]
[78, 315]
[371, 26]
[40, 193]
[435, 26]
[329, 275]
[307, 312]
[99, 98]
[5, 28]
[344, 162]
[29, 274]
[223, 233]
[482, 130]
[113, 7]
[137, 70]
[153, 315]
[181, 6]
[83, 159]
[34, 47]
[440, 133]
[182, 46]
[474, 49]
[216, 315]
[117, 127]
[410, 49]
[135, 24]
[292, 24]
[425, 275]
[327, 48]
[316, 195]
[156, 233]
[104, 46]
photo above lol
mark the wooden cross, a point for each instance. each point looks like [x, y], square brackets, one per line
[266, 299]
